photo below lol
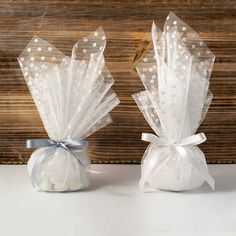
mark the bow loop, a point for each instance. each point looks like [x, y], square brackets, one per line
[152, 138]
[75, 145]
[191, 140]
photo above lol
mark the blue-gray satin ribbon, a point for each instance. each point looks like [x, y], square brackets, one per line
[69, 145]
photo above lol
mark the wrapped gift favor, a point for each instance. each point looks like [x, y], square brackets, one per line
[73, 96]
[175, 74]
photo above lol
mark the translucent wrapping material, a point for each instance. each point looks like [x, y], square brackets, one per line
[73, 96]
[175, 74]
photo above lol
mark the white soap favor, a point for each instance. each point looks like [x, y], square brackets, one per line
[59, 174]
[175, 74]
[73, 96]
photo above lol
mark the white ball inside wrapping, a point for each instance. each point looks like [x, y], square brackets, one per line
[173, 171]
[60, 171]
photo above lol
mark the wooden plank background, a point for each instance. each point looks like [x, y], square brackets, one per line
[127, 25]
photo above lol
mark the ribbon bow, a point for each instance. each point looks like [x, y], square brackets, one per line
[191, 140]
[69, 145]
[78, 145]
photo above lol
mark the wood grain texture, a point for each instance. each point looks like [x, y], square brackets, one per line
[127, 25]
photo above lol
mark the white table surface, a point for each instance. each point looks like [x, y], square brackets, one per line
[114, 206]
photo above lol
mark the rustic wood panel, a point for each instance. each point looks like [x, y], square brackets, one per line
[127, 25]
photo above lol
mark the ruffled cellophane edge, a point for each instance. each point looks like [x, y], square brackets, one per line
[73, 94]
[175, 74]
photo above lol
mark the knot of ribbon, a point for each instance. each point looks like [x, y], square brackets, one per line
[191, 140]
[78, 145]
[178, 146]
[69, 145]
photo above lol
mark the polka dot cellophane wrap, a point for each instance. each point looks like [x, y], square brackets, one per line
[73, 95]
[175, 74]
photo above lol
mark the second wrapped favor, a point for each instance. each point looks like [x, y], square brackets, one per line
[176, 76]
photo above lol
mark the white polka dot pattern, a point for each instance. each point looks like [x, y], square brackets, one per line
[70, 91]
[175, 74]
[178, 67]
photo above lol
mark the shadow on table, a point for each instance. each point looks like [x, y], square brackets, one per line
[122, 180]
[116, 179]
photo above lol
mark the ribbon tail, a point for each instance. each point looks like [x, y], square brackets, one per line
[147, 169]
[96, 172]
[203, 172]
[207, 177]
[210, 181]
[145, 186]
[81, 163]
[142, 183]
[145, 189]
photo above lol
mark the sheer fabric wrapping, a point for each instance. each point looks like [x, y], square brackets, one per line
[175, 74]
[73, 96]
